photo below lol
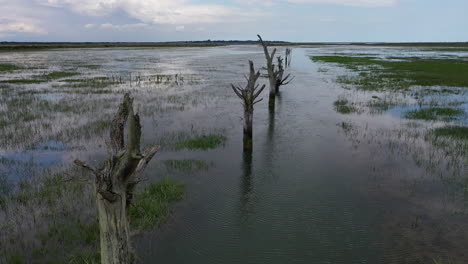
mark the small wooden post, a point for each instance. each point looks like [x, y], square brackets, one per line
[249, 96]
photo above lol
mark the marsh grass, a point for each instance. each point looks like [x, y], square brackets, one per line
[397, 73]
[41, 78]
[435, 113]
[202, 142]
[186, 165]
[9, 67]
[43, 221]
[152, 206]
[455, 132]
[94, 83]
[343, 106]
[24, 81]
[59, 75]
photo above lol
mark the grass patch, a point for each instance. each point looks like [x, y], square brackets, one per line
[9, 67]
[401, 72]
[186, 165]
[95, 83]
[58, 75]
[24, 81]
[152, 206]
[91, 67]
[434, 113]
[344, 107]
[456, 132]
[203, 142]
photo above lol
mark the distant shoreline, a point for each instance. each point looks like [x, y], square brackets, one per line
[12, 46]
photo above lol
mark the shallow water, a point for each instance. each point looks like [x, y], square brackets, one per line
[314, 190]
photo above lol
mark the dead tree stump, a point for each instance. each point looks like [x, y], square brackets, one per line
[115, 182]
[249, 96]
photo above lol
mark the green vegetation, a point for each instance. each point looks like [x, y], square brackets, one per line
[186, 165]
[42, 78]
[24, 81]
[9, 67]
[58, 75]
[434, 113]
[152, 206]
[203, 142]
[94, 83]
[400, 72]
[456, 132]
[344, 107]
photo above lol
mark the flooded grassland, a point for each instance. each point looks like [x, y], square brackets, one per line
[364, 161]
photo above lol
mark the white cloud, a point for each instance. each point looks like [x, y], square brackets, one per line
[16, 16]
[157, 11]
[89, 26]
[362, 3]
[123, 26]
[368, 3]
[23, 27]
[180, 28]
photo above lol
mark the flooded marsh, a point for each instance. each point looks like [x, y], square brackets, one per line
[365, 159]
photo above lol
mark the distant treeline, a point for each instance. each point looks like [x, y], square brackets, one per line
[5, 46]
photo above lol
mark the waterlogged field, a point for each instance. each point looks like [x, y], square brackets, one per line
[364, 161]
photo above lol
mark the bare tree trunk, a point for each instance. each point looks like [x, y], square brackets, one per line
[249, 95]
[275, 77]
[114, 184]
[248, 130]
[114, 230]
[271, 74]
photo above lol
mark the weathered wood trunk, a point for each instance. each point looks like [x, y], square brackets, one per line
[271, 74]
[249, 95]
[114, 230]
[248, 129]
[114, 184]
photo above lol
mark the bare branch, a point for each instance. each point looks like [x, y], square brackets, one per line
[259, 92]
[86, 166]
[258, 101]
[147, 156]
[289, 80]
[238, 91]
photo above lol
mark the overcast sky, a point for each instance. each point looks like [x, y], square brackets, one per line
[289, 20]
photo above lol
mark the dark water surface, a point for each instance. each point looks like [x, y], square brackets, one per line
[312, 192]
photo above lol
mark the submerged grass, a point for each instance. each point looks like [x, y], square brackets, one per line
[9, 67]
[60, 74]
[152, 206]
[203, 142]
[456, 132]
[401, 72]
[24, 81]
[186, 165]
[41, 78]
[434, 113]
[343, 106]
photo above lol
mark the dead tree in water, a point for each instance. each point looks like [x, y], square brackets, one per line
[115, 182]
[288, 57]
[275, 76]
[271, 73]
[280, 81]
[249, 96]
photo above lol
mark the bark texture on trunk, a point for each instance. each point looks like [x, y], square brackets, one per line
[249, 96]
[115, 182]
